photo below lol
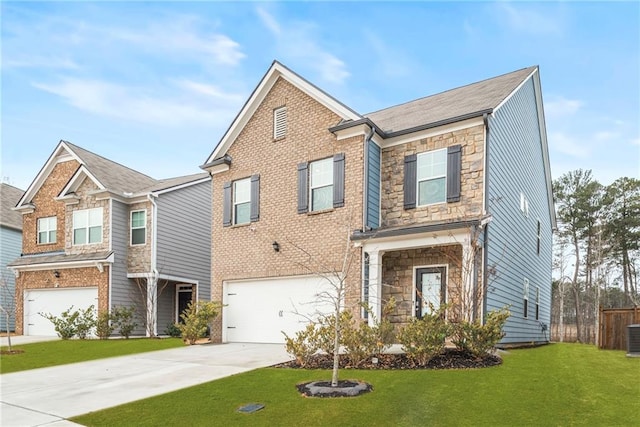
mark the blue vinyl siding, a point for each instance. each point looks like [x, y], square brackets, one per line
[184, 238]
[515, 166]
[10, 248]
[373, 185]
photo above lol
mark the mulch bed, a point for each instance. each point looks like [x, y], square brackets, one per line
[450, 359]
[7, 352]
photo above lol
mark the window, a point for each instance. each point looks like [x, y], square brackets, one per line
[321, 184]
[539, 237]
[47, 229]
[279, 122]
[87, 226]
[537, 302]
[525, 302]
[138, 227]
[524, 205]
[432, 177]
[241, 201]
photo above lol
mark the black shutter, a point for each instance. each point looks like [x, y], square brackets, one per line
[454, 166]
[255, 198]
[303, 198]
[338, 180]
[226, 204]
[410, 184]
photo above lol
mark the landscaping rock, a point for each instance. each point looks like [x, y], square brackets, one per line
[345, 388]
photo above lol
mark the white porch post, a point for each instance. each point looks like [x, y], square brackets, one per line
[152, 305]
[468, 270]
[375, 285]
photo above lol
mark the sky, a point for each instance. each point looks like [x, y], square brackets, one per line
[155, 85]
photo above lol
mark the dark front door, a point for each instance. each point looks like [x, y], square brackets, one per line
[430, 290]
[184, 298]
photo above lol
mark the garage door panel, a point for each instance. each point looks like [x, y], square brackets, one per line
[258, 311]
[54, 302]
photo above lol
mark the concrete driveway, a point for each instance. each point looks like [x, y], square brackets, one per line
[48, 396]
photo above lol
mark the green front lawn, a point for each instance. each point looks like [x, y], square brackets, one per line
[554, 385]
[61, 352]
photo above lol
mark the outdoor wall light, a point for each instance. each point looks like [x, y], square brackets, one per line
[56, 273]
[276, 246]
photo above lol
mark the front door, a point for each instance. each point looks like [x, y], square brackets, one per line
[430, 290]
[184, 298]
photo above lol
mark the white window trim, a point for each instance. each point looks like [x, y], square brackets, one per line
[131, 228]
[524, 204]
[280, 122]
[234, 201]
[312, 187]
[47, 230]
[88, 227]
[418, 181]
[525, 296]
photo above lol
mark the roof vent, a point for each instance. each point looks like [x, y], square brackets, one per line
[279, 122]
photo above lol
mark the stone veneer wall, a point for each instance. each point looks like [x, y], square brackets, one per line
[472, 179]
[87, 201]
[139, 256]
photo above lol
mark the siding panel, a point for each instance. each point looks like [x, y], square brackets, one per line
[373, 185]
[516, 165]
[10, 248]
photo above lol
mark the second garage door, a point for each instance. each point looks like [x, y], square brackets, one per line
[53, 301]
[258, 310]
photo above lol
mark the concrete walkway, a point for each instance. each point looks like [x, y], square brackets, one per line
[48, 396]
[25, 339]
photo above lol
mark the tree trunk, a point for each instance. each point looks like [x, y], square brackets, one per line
[336, 350]
[561, 318]
[576, 290]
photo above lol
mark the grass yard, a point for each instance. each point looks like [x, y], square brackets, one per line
[61, 352]
[554, 385]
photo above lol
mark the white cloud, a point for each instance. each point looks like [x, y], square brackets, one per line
[566, 144]
[528, 20]
[559, 106]
[129, 103]
[25, 61]
[297, 41]
[606, 135]
[208, 90]
[635, 141]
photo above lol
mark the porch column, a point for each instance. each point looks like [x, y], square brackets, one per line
[468, 271]
[375, 285]
[152, 306]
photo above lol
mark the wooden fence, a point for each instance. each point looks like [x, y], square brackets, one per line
[613, 326]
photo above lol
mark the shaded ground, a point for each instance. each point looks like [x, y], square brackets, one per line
[450, 359]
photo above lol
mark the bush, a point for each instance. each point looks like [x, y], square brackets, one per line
[104, 328]
[124, 320]
[303, 345]
[172, 330]
[197, 319]
[359, 340]
[422, 339]
[480, 339]
[66, 324]
[326, 331]
[85, 322]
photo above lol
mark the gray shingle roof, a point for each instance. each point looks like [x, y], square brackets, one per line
[54, 258]
[460, 102]
[114, 176]
[165, 184]
[9, 197]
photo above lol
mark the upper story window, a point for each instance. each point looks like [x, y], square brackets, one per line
[433, 177]
[321, 184]
[525, 298]
[279, 122]
[138, 227]
[539, 237]
[47, 229]
[87, 226]
[241, 201]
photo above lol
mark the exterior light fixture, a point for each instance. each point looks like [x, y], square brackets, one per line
[56, 273]
[276, 246]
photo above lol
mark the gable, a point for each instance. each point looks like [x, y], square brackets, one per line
[276, 71]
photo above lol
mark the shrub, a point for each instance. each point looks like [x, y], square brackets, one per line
[104, 328]
[303, 345]
[326, 331]
[360, 342]
[172, 330]
[197, 319]
[124, 320]
[480, 339]
[66, 324]
[85, 322]
[422, 339]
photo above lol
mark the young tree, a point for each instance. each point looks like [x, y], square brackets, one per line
[148, 290]
[7, 306]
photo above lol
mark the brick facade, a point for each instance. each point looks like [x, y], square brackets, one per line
[69, 278]
[245, 251]
[472, 179]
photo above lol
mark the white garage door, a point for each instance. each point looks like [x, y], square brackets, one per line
[257, 311]
[53, 301]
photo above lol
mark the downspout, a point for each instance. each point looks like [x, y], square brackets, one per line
[154, 270]
[485, 248]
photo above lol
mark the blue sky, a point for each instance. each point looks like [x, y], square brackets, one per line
[155, 85]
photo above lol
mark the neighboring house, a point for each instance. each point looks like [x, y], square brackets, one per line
[448, 198]
[10, 244]
[98, 233]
